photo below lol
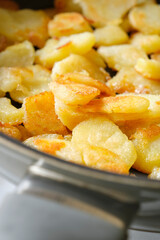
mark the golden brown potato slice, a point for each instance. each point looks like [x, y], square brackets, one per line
[110, 35]
[11, 131]
[100, 133]
[128, 80]
[149, 43]
[148, 68]
[18, 55]
[147, 143]
[56, 145]
[9, 114]
[66, 6]
[156, 56]
[101, 12]
[25, 24]
[121, 56]
[79, 64]
[65, 24]
[9, 4]
[34, 80]
[3, 42]
[39, 115]
[146, 18]
[55, 50]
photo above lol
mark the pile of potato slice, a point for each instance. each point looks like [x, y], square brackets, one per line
[81, 81]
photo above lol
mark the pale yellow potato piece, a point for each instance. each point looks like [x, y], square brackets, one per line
[110, 35]
[146, 18]
[96, 58]
[10, 77]
[79, 64]
[56, 145]
[68, 114]
[100, 132]
[34, 80]
[156, 56]
[147, 143]
[128, 80]
[149, 43]
[9, 4]
[101, 12]
[126, 25]
[155, 174]
[18, 55]
[148, 68]
[55, 50]
[40, 116]
[121, 56]
[11, 131]
[24, 24]
[65, 24]
[9, 114]
[66, 6]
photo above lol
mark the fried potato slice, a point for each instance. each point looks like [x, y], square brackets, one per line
[127, 80]
[3, 42]
[79, 64]
[9, 114]
[11, 131]
[57, 145]
[65, 24]
[96, 58]
[147, 143]
[146, 18]
[40, 116]
[149, 43]
[66, 6]
[121, 56]
[101, 12]
[9, 4]
[118, 104]
[55, 50]
[34, 80]
[18, 55]
[156, 56]
[148, 68]
[110, 35]
[155, 174]
[100, 133]
[68, 114]
[9, 78]
[24, 24]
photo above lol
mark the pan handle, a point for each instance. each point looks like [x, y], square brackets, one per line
[55, 208]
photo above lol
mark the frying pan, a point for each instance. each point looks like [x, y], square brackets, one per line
[59, 200]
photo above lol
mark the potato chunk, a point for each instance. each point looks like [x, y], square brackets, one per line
[149, 43]
[101, 12]
[39, 115]
[147, 143]
[25, 24]
[110, 35]
[128, 80]
[34, 80]
[107, 138]
[9, 114]
[65, 24]
[55, 50]
[11, 131]
[146, 18]
[79, 64]
[56, 145]
[18, 55]
[156, 56]
[148, 68]
[121, 56]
